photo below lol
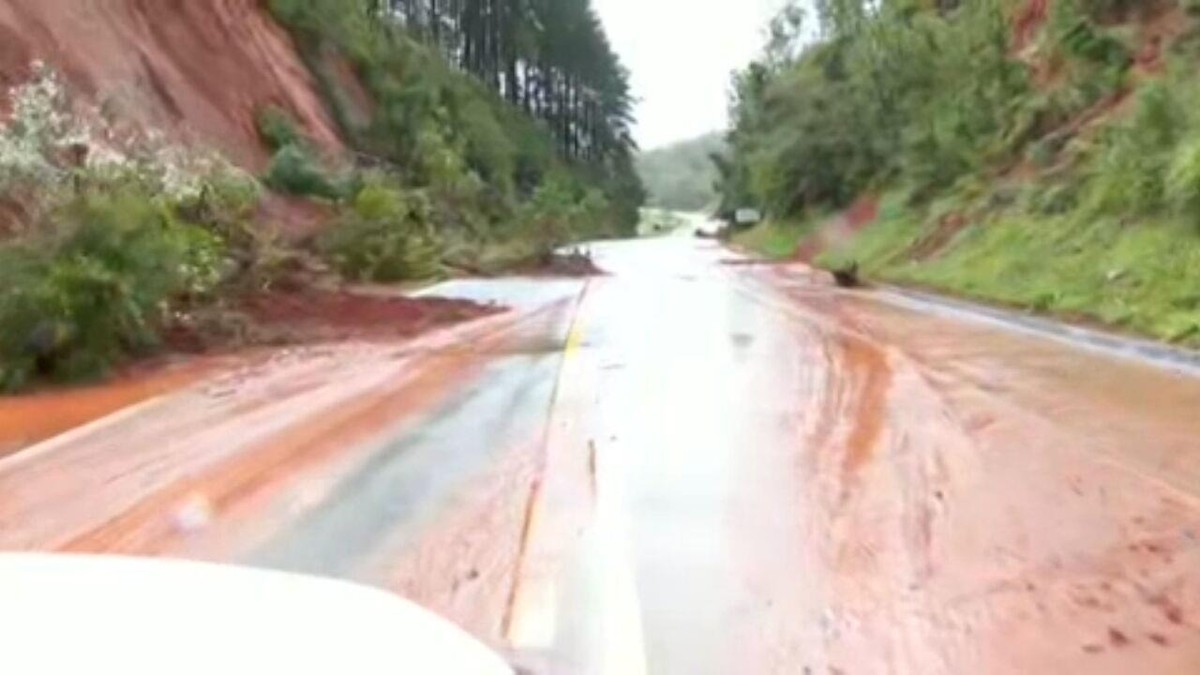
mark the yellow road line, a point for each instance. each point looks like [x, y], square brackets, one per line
[534, 618]
[533, 615]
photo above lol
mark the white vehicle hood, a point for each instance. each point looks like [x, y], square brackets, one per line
[84, 614]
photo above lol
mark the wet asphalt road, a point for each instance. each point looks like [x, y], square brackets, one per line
[689, 465]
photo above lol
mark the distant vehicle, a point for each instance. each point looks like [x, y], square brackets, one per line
[747, 217]
[86, 614]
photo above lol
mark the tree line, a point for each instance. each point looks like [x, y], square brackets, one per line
[925, 91]
[861, 95]
[550, 58]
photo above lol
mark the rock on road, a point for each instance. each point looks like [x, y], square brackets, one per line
[690, 465]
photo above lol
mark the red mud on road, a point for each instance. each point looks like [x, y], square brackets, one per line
[978, 501]
[963, 499]
[312, 316]
[25, 420]
[224, 463]
[215, 429]
[138, 484]
[277, 318]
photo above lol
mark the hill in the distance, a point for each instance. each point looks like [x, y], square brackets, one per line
[680, 177]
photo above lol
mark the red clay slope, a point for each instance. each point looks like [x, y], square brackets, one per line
[198, 70]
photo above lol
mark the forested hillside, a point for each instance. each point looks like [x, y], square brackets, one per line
[498, 102]
[1044, 153]
[682, 176]
[160, 169]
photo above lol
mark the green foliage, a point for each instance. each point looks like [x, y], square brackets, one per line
[278, 129]
[1109, 9]
[385, 235]
[120, 238]
[225, 205]
[773, 240]
[476, 147]
[936, 105]
[1128, 172]
[926, 95]
[1114, 239]
[1183, 180]
[95, 283]
[295, 171]
[558, 208]
[1097, 268]
[1073, 23]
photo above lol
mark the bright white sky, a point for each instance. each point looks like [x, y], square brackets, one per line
[681, 54]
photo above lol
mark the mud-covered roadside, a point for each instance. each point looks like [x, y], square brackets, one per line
[244, 331]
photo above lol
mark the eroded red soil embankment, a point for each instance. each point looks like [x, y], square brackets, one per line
[199, 70]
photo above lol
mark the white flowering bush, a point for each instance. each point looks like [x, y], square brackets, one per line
[48, 140]
[130, 229]
[39, 128]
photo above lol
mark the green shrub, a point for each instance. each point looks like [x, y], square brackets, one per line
[295, 171]
[1128, 174]
[226, 205]
[385, 235]
[547, 217]
[278, 129]
[1055, 199]
[95, 283]
[1183, 180]
[1085, 41]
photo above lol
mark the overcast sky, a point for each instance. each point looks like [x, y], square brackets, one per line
[681, 54]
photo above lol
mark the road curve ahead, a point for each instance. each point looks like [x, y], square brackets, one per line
[689, 465]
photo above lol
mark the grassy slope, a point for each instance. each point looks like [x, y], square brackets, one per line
[1097, 231]
[772, 239]
[1144, 277]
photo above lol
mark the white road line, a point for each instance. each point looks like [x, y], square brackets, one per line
[623, 648]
